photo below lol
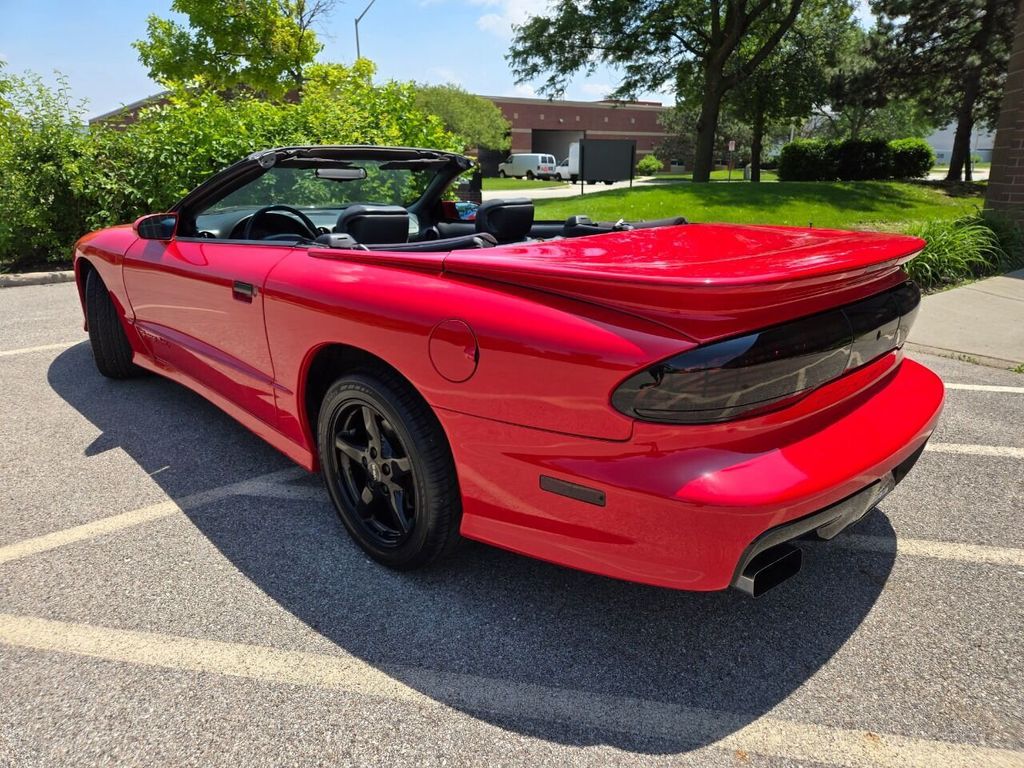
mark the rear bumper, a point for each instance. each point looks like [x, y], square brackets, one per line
[682, 507]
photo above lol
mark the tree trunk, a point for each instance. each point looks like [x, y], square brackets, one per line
[756, 143]
[707, 127]
[958, 159]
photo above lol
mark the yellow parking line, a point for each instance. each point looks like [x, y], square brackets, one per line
[136, 517]
[343, 672]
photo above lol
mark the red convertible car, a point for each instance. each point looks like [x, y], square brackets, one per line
[665, 402]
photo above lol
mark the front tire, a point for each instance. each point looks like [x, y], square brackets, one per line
[501, 174]
[110, 348]
[389, 470]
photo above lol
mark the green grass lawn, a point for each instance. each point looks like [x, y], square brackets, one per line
[492, 184]
[844, 205]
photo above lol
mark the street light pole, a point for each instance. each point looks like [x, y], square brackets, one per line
[359, 18]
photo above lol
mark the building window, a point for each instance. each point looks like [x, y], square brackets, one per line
[515, 115]
[541, 115]
[632, 120]
[577, 118]
[606, 119]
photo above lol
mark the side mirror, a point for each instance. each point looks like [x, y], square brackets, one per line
[156, 226]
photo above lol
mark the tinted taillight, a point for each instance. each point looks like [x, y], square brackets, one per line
[730, 378]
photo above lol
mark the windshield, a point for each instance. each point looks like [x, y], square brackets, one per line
[305, 188]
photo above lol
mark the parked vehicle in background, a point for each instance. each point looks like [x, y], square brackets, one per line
[569, 168]
[530, 166]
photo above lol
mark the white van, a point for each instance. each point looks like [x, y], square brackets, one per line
[532, 166]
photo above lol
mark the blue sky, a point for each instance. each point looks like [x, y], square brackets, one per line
[461, 41]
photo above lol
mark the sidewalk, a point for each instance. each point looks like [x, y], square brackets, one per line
[983, 321]
[573, 190]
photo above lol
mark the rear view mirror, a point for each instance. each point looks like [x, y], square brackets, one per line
[341, 174]
[156, 226]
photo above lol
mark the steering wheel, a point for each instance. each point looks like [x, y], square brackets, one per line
[250, 225]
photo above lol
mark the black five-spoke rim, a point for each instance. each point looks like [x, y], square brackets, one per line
[375, 473]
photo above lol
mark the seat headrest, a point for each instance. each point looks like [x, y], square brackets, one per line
[374, 224]
[507, 220]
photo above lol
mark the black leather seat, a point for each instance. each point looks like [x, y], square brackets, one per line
[374, 224]
[508, 221]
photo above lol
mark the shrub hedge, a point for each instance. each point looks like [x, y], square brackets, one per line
[854, 159]
[62, 178]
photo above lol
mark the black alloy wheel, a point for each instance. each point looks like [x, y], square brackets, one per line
[389, 470]
[375, 473]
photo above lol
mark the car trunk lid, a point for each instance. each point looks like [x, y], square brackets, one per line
[707, 281]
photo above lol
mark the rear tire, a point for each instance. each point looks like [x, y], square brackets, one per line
[529, 175]
[389, 470]
[501, 174]
[110, 348]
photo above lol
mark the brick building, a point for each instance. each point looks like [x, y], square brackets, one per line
[1006, 179]
[540, 125]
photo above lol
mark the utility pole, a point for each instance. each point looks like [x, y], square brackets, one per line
[359, 18]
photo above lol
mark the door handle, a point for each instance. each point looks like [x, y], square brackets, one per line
[243, 291]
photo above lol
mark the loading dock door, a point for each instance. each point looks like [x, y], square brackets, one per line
[554, 142]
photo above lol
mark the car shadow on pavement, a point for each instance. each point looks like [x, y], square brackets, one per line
[512, 627]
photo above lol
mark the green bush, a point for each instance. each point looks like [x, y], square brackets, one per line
[649, 164]
[911, 158]
[854, 159]
[960, 250]
[42, 143]
[61, 180]
[863, 159]
[809, 160]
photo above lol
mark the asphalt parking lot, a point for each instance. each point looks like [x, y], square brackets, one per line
[174, 592]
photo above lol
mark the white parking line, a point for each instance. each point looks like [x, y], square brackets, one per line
[985, 388]
[1004, 451]
[43, 348]
[106, 525]
[774, 737]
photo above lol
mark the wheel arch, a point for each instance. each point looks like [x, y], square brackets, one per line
[325, 365]
[83, 267]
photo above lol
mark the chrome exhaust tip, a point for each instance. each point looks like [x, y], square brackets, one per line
[768, 569]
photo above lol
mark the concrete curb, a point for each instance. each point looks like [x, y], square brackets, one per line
[37, 278]
[966, 357]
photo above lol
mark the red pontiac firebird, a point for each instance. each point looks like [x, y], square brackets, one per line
[660, 401]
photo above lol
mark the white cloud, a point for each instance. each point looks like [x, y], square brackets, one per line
[506, 14]
[522, 90]
[444, 75]
[597, 90]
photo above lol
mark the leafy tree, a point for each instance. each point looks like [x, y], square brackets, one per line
[702, 48]
[680, 124]
[263, 45]
[862, 100]
[60, 180]
[951, 55]
[476, 119]
[794, 78]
